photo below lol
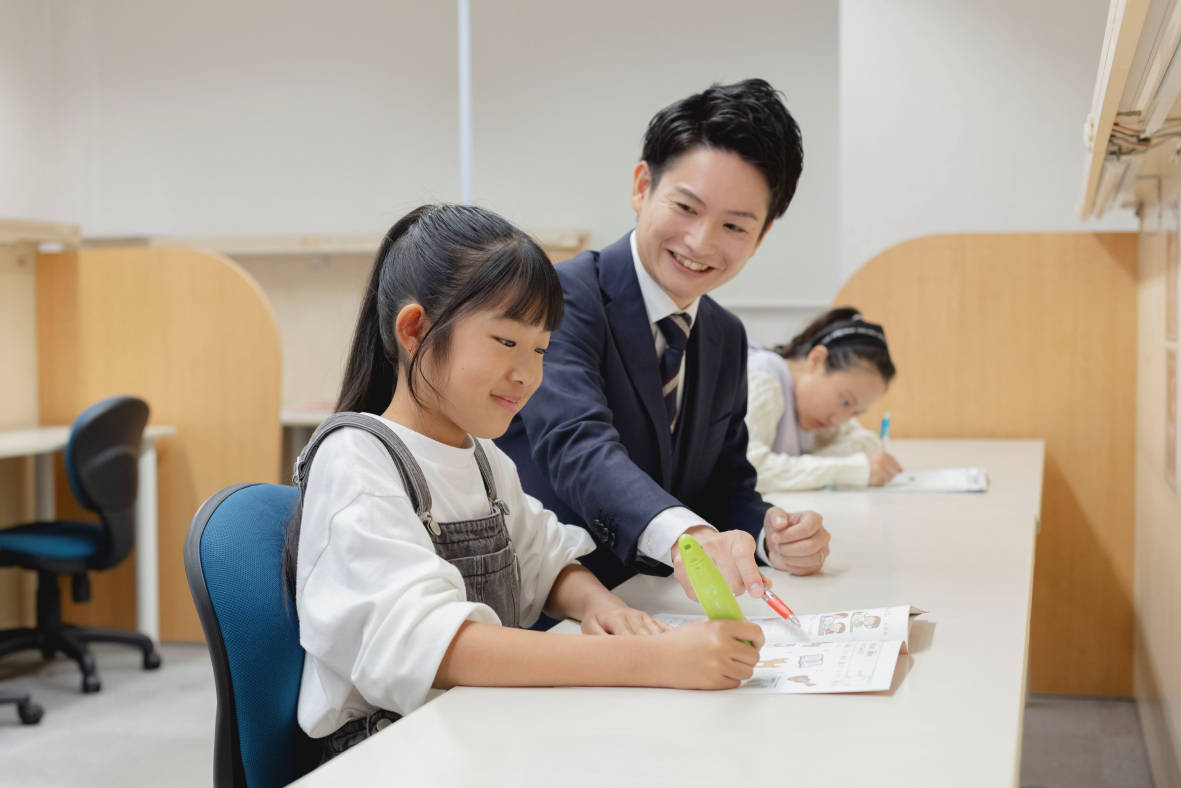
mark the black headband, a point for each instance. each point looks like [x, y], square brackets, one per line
[852, 332]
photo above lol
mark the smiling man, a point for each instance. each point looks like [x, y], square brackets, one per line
[637, 431]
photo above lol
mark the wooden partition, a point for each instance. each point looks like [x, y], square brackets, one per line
[192, 334]
[18, 409]
[18, 389]
[1034, 335]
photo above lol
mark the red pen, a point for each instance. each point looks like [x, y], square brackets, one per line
[780, 607]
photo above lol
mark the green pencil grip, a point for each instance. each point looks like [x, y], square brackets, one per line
[712, 591]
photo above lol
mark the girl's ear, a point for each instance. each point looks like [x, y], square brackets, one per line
[410, 326]
[816, 358]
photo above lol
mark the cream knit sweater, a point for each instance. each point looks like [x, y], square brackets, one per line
[839, 453]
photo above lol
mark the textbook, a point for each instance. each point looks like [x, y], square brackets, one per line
[940, 480]
[846, 651]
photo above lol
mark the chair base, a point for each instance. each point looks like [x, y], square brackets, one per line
[72, 641]
[51, 637]
[29, 712]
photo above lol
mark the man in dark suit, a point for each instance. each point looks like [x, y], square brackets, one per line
[637, 431]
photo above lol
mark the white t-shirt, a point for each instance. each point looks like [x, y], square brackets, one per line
[377, 606]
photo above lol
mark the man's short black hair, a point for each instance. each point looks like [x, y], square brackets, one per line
[747, 118]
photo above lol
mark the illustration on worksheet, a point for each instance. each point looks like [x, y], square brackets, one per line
[862, 620]
[844, 651]
[831, 625]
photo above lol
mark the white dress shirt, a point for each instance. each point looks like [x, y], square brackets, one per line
[661, 533]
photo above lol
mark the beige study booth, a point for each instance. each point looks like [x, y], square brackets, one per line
[189, 332]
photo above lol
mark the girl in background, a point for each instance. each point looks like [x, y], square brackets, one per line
[416, 556]
[802, 403]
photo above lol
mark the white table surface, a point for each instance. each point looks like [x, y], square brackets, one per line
[46, 440]
[952, 717]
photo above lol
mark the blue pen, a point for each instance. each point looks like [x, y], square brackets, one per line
[885, 432]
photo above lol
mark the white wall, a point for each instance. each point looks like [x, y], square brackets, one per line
[563, 93]
[229, 117]
[964, 117]
[26, 111]
[225, 117]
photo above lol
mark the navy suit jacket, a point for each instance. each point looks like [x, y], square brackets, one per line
[593, 443]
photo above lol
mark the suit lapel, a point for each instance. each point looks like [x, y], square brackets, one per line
[633, 338]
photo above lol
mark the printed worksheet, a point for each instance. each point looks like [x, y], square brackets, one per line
[940, 480]
[846, 651]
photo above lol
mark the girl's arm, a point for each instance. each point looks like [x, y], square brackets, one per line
[578, 594]
[849, 438]
[702, 655]
[777, 471]
[550, 580]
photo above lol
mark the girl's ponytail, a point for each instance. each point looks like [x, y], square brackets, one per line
[371, 371]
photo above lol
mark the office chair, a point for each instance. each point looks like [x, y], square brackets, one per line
[29, 712]
[233, 556]
[101, 465]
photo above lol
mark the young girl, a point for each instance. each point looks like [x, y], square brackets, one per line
[802, 399]
[417, 556]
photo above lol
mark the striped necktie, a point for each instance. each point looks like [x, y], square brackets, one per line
[675, 328]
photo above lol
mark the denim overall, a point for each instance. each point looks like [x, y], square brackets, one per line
[480, 548]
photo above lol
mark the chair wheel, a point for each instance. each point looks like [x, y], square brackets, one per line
[91, 683]
[30, 713]
[151, 660]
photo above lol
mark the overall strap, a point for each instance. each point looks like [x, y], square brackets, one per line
[486, 475]
[412, 477]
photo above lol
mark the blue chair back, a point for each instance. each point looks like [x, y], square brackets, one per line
[233, 561]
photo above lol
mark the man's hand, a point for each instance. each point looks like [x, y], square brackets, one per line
[882, 468]
[734, 554]
[796, 542]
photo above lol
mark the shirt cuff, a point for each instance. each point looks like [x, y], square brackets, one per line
[761, 547]
[663, 530]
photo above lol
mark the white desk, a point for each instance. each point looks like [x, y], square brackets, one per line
[952, 717]
[40, 443]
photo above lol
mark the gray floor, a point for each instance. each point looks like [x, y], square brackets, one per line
[156, 728]
[1083, 743]
[143, 728]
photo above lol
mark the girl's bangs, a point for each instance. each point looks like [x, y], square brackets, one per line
[523, 282]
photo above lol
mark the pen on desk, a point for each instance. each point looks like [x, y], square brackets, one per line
[885, 432]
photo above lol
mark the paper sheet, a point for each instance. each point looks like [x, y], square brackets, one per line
[845, 651]
[940, 480]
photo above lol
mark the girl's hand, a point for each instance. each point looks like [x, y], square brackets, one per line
[709, 655]
[882, 468]
[621, 621]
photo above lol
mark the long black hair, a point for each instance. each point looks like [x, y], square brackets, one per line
[452, 260]
[846, 354]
